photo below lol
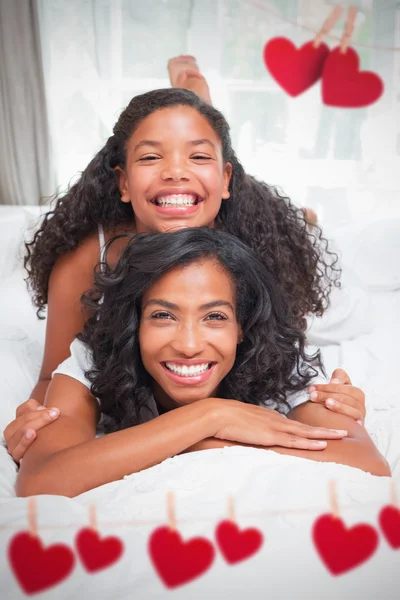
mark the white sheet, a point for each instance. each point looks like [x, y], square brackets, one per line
[262, 482]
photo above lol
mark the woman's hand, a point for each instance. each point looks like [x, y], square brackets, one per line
[20, 433]
[260, 426]
[340, 396]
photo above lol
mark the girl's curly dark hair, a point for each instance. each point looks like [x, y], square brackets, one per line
[271, 361]
[256, 213]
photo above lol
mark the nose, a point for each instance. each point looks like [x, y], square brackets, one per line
[188, 341]
[175, 169]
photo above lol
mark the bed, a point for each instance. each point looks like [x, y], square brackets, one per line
[220, 523]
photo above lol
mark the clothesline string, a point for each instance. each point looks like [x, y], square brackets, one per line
[181, 521]
[314, 31]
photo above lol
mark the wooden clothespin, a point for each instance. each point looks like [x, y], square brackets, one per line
[333, 499]
[171, 511]
[92, 517]
[32, 517]
[231, 510]
[348, 30]
[393, 495]
[327, 26]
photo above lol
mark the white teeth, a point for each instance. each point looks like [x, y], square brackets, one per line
[176, 200]
[185, 371]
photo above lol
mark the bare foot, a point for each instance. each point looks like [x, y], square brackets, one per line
[310, 216]
[184, 73]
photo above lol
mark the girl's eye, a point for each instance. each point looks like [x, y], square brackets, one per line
[201, 157]
[161, 315]
[215, 316]
[145, 158]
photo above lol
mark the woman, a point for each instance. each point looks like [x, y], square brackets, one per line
[183, 323]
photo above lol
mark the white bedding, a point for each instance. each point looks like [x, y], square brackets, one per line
[265, 486]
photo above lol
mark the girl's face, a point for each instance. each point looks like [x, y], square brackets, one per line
[174, 175]
[189, 332]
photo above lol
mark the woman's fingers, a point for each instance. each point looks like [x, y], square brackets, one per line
[293, 441]
[310, 432]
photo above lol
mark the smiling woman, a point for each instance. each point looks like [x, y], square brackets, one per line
[183, 323]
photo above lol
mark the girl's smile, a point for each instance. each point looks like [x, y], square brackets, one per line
[174, 175]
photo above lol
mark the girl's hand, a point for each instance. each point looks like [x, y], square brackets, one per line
[340, 396]
[260, 426]
[20, 433]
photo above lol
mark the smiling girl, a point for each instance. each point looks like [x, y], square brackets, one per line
[184, 322]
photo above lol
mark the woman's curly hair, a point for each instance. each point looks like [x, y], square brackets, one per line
[256, 213]
[271, 362]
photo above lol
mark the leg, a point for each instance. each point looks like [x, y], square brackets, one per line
[184, 73]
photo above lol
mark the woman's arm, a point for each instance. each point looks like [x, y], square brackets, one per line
[355, 450]
[67, 460]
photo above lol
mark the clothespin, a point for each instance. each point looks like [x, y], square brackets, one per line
[171, 511]
[328, 25]
[32, 517]
[92, 517]
[348, 30]
[231, 510]
[333, 499]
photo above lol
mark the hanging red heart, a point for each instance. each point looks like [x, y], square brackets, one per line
[38, 568]
[389, 520]
[344, 85]
[178, 562]
[294, 69]
[97, 554]
[237, 545]
[343, 549]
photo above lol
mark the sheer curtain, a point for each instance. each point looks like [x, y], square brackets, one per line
[343, 162]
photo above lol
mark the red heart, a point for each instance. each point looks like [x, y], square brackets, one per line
[97, 554]
[389, 520]
[294, 69]
[344, 85]
[237, 545]
[176, 561]
[343, 549]
[38, 568]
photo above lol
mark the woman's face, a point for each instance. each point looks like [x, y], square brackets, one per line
[189, 332]
[174, 175]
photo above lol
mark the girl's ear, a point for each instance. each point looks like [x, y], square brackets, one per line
[240, 336]
[122, 184]
[227, 177]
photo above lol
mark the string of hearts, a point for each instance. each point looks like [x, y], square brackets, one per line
[178, 561]
[342, 83]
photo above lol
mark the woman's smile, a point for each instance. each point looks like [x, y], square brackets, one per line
[189, 332]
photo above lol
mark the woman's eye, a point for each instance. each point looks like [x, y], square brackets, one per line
[216, 317]
[161, 315]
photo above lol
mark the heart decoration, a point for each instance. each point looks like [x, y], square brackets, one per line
[389, 520]
[295, 69]
[343, 85]
[237, 545]
[97, 554]
[37, 568]
[178, 562]
[343, 549]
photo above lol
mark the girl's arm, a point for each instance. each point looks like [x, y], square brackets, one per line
[356, 450]
[71, 276]
[67, 459]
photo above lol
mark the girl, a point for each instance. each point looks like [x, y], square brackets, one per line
[169, 164]
[184, 322]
